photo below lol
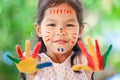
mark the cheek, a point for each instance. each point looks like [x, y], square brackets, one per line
[46, 36]
[74, 37]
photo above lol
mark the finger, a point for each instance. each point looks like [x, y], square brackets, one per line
[92, 52]
[106, 55]
[90, 45]
[100, 58]
[43, 65]
[97, 47]
[27, 48]
[13, 59]
[36, 49]
[19, 52]
[81, 67]
[84, 51]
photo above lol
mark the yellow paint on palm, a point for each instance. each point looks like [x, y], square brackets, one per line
[92, 52]
[27, 48]
[81, 67]
[28, 65]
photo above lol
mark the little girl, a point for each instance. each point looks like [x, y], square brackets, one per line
[59, 25]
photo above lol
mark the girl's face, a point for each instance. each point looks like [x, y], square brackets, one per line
[59, 29]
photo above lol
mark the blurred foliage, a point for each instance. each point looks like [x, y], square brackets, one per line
[16, 24]
[17, 19]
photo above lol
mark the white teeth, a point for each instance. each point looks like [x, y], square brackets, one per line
[60, 49]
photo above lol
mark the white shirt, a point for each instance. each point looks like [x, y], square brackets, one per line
[59, 71]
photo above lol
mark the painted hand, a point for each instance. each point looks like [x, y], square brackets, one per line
[95, 61]
[27, 63]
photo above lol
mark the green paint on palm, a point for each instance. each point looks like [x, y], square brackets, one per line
[13, 59]
[106, 55]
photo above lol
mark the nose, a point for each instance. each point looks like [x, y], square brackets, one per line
[61, 31]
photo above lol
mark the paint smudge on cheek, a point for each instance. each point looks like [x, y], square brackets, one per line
[47, 36]
[47, 39]
[72, 42]
[74, 36]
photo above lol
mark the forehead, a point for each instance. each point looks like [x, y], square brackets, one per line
[60, 14]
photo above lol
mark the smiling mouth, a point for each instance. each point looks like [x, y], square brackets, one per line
[62, 42]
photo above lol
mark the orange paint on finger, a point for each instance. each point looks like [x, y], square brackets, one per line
[27, 48]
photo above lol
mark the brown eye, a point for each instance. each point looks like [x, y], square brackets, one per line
[52, 25]
[70, 25]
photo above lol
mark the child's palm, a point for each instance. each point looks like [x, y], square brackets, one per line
[96, 62]
[27, 63]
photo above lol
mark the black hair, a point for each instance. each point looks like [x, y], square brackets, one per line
[43, 5]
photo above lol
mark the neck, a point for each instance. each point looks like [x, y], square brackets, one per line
[58, 58]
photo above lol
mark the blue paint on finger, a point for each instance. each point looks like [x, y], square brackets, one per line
[43, 65]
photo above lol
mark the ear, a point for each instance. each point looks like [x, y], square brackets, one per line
[38, 29]
[81, 30]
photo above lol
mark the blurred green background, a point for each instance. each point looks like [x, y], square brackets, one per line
[17, 19]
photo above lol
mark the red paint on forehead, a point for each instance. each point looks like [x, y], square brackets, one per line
[57, 11]
[60, 11]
